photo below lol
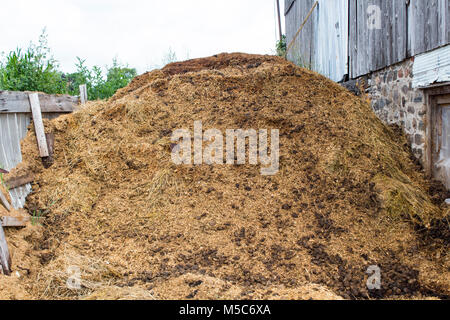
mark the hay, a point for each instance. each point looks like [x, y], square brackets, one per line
[346, 197]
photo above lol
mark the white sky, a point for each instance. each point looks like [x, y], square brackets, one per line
[139, 33]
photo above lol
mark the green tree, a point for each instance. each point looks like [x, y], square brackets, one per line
[99, 87]
[36, 70]
[31, 70]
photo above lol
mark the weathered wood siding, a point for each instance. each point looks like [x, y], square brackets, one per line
[13, 128]
[302, 53]
[331, 56]
[408, 28]
[373, 48]
[323, 42]
[429, 25]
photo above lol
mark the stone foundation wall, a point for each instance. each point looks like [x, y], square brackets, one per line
[395, 101]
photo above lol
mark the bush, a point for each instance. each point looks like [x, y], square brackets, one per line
[36, 70]
[31, 70]
[281, 47]
[117, 76]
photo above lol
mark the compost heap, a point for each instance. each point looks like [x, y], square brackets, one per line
[347, 196]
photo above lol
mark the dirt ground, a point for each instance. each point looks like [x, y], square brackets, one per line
[348, 195]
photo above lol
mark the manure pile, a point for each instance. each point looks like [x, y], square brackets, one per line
[347, 195]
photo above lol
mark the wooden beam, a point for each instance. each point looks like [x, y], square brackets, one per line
[443, 100]
[5, 201]
[7, 221]
[83, 94]
[38, 125]
[438, 89]
[5, 258]
[15, 182]
[18, 102]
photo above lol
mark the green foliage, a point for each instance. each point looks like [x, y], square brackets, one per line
[281, 46]
[99, 87]
[32, 70]
[36, 70]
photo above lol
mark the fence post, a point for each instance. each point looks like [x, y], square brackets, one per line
[38, 125]
[83, 94]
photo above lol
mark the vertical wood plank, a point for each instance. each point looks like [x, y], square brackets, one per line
[4, 201]
[83, 94]
[38, 125]
[352, 38]
[5, 258]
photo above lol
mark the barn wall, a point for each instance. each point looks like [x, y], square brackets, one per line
[323, 43]
[429, 25]
[408, 28]
[372, 48]
[331, 56]
[302, 52]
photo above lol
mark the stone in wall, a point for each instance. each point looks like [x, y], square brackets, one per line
[395, 101]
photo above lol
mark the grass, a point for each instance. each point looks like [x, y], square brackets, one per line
[37, 215]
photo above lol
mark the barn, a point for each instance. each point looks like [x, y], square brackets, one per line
[398, 49]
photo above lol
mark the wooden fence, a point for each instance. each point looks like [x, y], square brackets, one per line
[15, 117]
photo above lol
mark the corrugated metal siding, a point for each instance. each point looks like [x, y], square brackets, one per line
[432, 67]
[332, 39]
[13, 128]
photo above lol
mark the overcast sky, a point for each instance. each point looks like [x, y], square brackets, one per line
[139, 33]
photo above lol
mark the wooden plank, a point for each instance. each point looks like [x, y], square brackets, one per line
[443, 100]
[4, 201]
[83, 94]
[5, 258]
[352, 38]
[7, 221]
[15, 182]
[375, 49]
[439, 89]
[18, 102]
[38, 125]
[429, 25]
